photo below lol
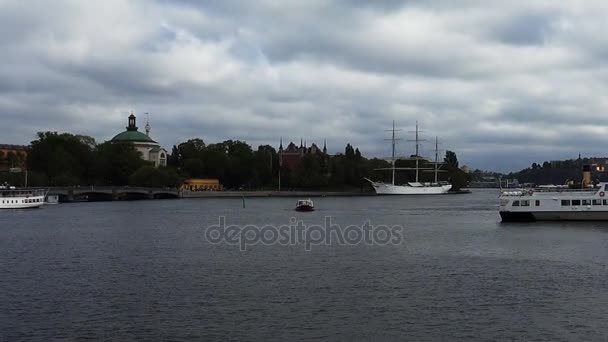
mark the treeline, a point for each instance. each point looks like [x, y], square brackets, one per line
[557, 172]
[69, 160]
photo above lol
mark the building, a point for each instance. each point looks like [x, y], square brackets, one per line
[291, 156]
[12, 156]
[150, 150]
[202, 184]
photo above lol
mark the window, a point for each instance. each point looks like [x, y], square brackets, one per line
[576, 202]
[565, 203]
[537, 203]
[516, 203]
[605, 202]
[525, 203]
[586, 202]
[597, 202]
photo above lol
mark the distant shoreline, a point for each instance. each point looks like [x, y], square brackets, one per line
[301, 194]
[233, 194]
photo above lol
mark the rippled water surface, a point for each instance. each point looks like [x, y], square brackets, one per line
[143, 270]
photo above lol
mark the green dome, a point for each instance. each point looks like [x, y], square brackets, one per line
[132, 136]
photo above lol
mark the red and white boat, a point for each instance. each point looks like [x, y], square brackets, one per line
[305, 205]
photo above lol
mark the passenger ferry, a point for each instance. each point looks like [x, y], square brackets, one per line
[13, 198]
[555, 203]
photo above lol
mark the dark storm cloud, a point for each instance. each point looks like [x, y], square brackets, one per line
[504, 83]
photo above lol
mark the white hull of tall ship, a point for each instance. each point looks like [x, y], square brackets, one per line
[526, 205]
[21, 199]
[410, 188]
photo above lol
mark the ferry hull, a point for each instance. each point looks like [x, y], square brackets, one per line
[554, 216]
[21, 205]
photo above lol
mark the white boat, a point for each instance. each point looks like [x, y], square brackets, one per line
[13, 198]
[51, 199]
[417, 187]
[410, 188]
[554, 204]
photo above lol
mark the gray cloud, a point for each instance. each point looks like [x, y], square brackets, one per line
[503, 84]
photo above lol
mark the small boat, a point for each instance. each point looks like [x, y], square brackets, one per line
[51, 199]
[13, 198]
[305, 205]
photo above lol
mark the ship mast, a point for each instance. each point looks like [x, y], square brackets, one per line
[394, 140]
[417, 156]
[393, 155]
[436, 157]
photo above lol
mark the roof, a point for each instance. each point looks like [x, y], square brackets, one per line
[132, 136]
[13, 147]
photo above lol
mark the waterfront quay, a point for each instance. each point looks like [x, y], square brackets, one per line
[108, 193]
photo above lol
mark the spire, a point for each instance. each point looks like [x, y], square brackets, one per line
[148, 124]
[325, 146]
[301, 145]
[132, 123]
[281, 144]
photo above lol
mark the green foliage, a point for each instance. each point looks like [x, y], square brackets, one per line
[451, 159]
[558, 172]
[66, 159]
[115, 163]
[63, 158]
[150, 176]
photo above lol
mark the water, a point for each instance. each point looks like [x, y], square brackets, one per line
[143, 270]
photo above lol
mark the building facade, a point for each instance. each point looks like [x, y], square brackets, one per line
[291, 156]
[149, 149]
[12, 156]
[202, 184]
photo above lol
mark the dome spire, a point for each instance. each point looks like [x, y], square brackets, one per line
[148, 124]
[132, 123]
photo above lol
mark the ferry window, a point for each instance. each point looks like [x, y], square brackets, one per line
[576, 202]
[586, 202]
[516, 203]
[566, 203]
[605, 202]
[606, 187]
[537, 203]
[597, 202]
[525, 203]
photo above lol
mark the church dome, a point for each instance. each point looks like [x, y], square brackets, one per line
[132, 134]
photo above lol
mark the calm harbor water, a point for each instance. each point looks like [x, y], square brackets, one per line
[144, 271]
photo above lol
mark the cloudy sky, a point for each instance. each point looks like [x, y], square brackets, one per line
[502, 83]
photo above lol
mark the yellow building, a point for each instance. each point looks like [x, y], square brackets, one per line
[202, 184]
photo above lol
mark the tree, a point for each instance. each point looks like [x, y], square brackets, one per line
[116, 162]
[150, 176]
[451, 159]
[63, 158]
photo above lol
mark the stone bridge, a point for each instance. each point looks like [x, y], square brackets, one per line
[110, 193]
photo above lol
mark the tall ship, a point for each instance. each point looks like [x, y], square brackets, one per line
[416, 187]
[556, 203]
[13, 198]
